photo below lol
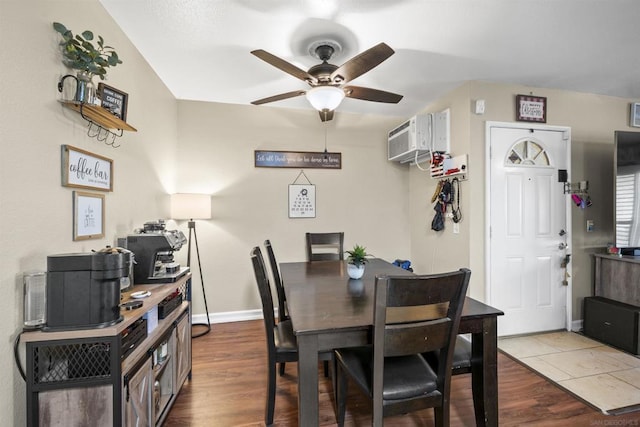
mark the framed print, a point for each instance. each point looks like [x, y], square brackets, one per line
[302, 201]
[88, 215]
[531, 108]
[113, 100]
[83, 169]
[635, 115]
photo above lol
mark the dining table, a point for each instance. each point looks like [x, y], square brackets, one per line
[328, 310]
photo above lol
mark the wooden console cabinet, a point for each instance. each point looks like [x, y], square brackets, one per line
[86, 377]
[617, 278]
[612, 315]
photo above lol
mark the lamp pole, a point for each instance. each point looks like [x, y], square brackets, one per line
[192, 229]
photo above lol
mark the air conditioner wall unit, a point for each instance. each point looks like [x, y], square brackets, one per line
[418, 136]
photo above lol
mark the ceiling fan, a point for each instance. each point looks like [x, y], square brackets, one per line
[328, 81]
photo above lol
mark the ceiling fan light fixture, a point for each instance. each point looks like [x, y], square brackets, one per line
[325, 97]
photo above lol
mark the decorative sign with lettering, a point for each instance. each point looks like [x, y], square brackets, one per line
[88, 215]
[113, 100]
[531, 108]
[297, 159]
[83, 169]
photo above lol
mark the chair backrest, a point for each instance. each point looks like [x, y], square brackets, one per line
[265, 296]
[325, 241]
[417, 314]
[277, 280]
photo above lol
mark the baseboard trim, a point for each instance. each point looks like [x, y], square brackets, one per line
[228, 317]
[576, 325]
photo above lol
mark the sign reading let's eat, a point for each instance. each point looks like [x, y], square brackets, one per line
[297, 159]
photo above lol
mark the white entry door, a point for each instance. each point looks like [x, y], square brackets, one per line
[528, 227]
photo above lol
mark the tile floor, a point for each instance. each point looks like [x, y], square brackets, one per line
[607, 378]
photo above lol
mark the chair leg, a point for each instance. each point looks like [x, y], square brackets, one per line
[441, 416]
[281, 365]
[341, 394]
[271, 394]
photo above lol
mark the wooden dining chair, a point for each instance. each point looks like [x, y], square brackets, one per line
[461, 363]
[412, 315]
[277, 281]
[281, 341]
[325, 246]
[283, 313]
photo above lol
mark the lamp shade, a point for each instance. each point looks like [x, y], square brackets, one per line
[190, 206]
[325, 97]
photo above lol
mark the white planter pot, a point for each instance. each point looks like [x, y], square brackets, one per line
[355, 271]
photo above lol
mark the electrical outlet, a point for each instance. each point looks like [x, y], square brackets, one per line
[456, 228]
[590, 225]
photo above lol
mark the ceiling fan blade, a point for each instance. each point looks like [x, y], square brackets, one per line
[326, 115]
[369, 94]
[285, 66]
[361, 63]
[279, 97]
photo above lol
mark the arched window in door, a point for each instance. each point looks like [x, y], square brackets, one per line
[527, 153]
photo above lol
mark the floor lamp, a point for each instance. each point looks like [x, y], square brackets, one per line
[193, 206]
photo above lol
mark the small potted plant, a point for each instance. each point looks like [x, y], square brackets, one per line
[79, 53]
[356, 260]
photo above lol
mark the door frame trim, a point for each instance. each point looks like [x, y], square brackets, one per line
[487, 205]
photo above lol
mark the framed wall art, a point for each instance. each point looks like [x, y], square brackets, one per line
[634, 120]
[82, 169]
[113, 100]
[302, 201]
[88, 215]
[531, 108]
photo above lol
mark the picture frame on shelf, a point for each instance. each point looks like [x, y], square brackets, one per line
[634, 119]
[83, 169]
[531, 108]
[88, 215]
[113, 100]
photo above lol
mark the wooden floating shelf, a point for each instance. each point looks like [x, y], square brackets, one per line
[99, 116]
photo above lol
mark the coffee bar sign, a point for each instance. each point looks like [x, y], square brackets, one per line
[82, 169]
[297, 159]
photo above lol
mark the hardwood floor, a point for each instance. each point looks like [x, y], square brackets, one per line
[228, 388]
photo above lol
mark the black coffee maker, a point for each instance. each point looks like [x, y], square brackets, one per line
[83, 289]
[153, 248]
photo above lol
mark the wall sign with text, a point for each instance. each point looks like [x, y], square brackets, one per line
[531, 108]
[113, 100]
[297, 159]
[82, 169]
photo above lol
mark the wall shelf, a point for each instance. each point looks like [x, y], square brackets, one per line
[100, 118]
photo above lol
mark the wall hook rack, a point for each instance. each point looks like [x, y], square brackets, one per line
[579, 188]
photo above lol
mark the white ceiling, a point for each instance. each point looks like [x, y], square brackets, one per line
[200, 48]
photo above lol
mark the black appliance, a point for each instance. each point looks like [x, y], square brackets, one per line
[83, 289]
[153, 248]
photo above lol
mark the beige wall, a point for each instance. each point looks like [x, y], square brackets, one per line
[199, 147]
[35, 210]
[592, 119]
[367, 198]
[179, 146]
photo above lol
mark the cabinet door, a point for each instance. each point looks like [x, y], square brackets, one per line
[183, 349]
[137, 399]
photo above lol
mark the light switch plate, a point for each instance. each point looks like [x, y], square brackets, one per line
[480, 106]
